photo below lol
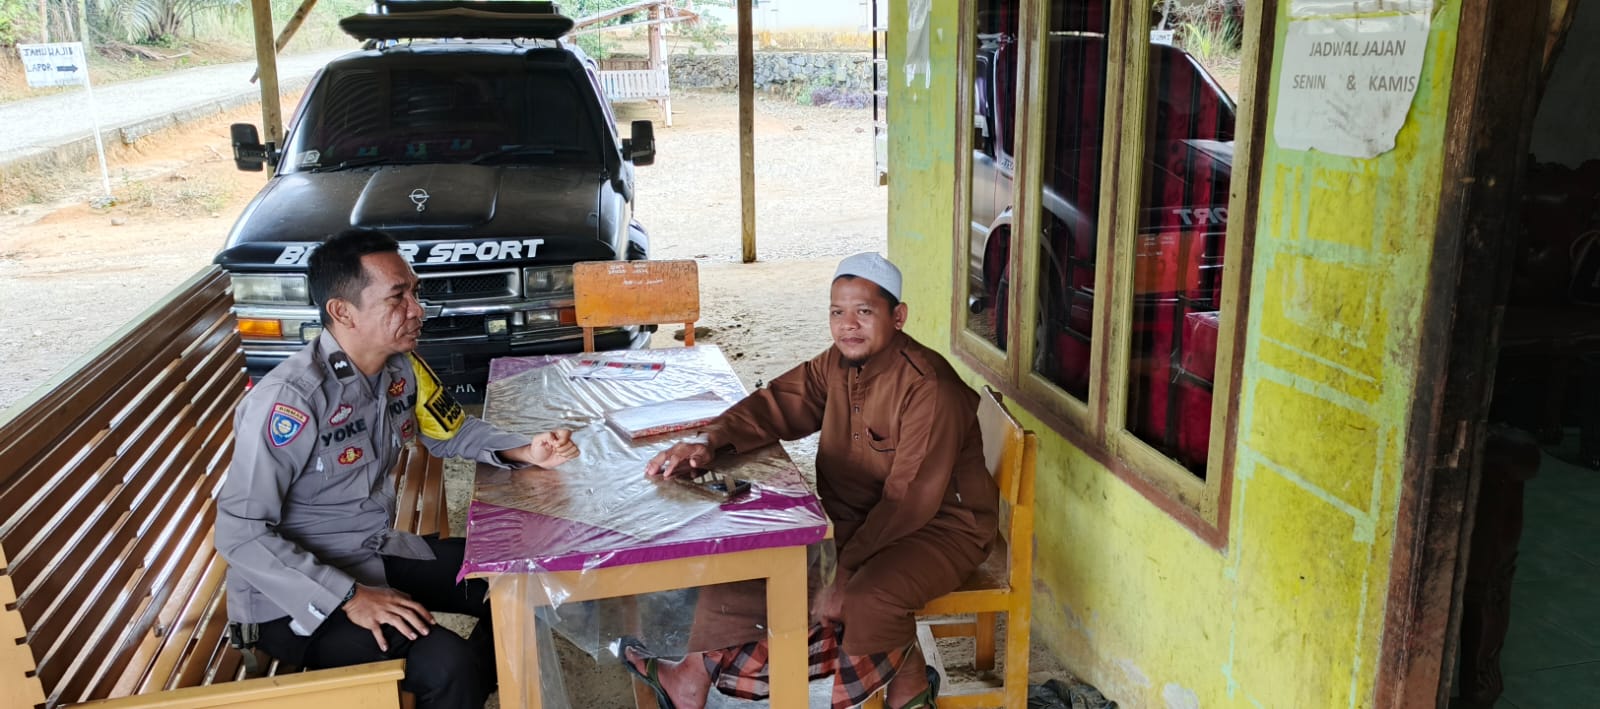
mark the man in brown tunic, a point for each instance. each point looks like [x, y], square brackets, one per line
[900, 472]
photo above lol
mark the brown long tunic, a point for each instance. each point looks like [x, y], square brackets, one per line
[900, 472]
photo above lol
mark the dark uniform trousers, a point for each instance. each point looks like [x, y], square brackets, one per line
[443, 669]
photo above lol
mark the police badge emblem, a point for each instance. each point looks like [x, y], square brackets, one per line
[342, 367]
[285, 424]
[341, 414]
[350, 455]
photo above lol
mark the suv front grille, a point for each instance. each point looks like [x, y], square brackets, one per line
[453, 326]
[480, 285]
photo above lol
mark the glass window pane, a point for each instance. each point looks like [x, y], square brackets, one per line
[1074, 133]
[1183, 219]
[993, 167]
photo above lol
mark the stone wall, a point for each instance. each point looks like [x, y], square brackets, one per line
[776, 71]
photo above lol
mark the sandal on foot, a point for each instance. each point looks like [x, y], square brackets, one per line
[929, 697]
[649, 676]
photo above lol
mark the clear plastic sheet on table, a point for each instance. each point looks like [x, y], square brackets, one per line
[600, 510]
[662, 622]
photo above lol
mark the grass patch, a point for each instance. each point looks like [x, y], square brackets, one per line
[34, 182]
[1212, 43]
[174, 195]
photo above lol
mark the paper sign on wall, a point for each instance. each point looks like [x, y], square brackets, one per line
[1350, 71]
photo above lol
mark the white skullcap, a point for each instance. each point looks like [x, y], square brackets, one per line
[874, 268]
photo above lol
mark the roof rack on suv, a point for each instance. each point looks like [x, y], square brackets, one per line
[467, 19]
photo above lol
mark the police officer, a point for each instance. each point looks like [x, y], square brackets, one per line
[316, 572]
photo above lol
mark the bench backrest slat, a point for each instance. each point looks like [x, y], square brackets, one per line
[19, 687]
[86, 384]
[405, 494]
[435, 509]
[182, 632]
[182, 517]
[129, 485]
[96, 439]
[123, 516]
[154, 648]
[106, 504]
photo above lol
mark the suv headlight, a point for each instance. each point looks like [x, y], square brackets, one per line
[546, 281]
[260, 289]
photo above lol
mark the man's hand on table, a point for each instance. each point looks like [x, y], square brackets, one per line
[679, 459]
[547, 450]
[372, 608]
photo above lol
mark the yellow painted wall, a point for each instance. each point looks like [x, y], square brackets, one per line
[1291, 613]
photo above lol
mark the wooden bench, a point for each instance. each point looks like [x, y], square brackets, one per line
[621, 85]
[110, 582]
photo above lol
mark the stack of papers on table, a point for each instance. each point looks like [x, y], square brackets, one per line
[616, 370]
[669, 416]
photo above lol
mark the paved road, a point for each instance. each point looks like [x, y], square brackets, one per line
[34, 126]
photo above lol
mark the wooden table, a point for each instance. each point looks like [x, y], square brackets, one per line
[596, 528]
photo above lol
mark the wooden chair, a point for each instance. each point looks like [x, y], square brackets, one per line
[1003, 584]
[621, 293]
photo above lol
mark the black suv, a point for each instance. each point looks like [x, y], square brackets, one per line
[494, 160]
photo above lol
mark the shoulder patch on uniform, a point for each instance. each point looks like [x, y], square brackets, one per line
[285, 424]
[340, 363]
[341, 414]
[398, 387]
[438, 413]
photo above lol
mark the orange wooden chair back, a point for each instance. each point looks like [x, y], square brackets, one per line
[622, 293]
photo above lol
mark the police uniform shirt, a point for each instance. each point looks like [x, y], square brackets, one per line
[308, 505]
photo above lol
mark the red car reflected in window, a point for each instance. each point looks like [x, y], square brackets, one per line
[1188, 158]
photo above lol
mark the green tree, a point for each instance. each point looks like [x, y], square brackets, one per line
[150, 21]
[707, 32]
[19, 21]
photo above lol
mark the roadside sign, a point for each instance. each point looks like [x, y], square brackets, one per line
[63, 64]
[1162, 37]
[58, 64]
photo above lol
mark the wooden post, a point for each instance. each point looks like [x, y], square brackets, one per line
[267, 66]
[655, 36]
[289, 28]
[44, 21]
[747, 129]
[1487, 131]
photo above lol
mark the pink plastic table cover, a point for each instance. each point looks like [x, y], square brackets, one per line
[599, 510]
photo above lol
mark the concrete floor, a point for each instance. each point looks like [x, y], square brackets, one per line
[1551, 659]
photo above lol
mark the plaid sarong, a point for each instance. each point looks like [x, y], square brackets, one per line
[742, 671]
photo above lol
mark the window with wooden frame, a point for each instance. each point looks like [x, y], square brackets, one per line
[1103, 154]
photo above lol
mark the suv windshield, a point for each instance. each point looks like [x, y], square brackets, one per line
[470, 113]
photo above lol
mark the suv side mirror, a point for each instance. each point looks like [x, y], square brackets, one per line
[641, 148]
[249, 154]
